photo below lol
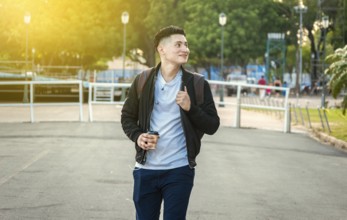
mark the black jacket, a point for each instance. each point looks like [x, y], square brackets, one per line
[136, 114]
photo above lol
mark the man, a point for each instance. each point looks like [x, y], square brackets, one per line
[262, 82]
[165, 162]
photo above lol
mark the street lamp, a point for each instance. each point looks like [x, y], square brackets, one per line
[222, 22]
[325, 25]
[301, 8]
[27, 18]
[125, 20]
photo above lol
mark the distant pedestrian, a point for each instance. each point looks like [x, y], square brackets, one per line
[284, 85]
[262, 82]
[277, 83]
[269, 91]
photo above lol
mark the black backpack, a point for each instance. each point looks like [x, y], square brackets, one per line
[198, 85]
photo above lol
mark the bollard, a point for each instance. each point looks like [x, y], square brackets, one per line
[287, 119]
[301, 116]
[296, 117]
[238, 108]
[90, 108]
[32, 103]
[80, 88]
[321, 119]
[308, 115]
[326, 120]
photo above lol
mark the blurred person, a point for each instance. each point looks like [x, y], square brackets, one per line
[262, 82]
[269, 90]
[277, 83]
[284, 85]
[166, 125]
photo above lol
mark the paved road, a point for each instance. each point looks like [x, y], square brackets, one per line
[73, 170]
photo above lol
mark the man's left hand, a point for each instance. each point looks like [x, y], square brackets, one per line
[183, 99]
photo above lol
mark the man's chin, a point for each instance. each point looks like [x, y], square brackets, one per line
[183, 61]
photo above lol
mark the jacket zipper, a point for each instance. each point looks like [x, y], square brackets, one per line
[143, 159]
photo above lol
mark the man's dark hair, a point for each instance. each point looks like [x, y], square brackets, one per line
[167, 32]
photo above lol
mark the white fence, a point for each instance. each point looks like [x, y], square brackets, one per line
[93, 99]
[103, 93]
[31, 102]
[239, 105]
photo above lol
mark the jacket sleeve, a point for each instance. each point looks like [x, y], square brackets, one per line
[129, 115]
[205, 117]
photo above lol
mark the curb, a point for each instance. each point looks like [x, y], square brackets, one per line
[325, 138]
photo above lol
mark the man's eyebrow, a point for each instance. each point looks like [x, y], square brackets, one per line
[181, 42]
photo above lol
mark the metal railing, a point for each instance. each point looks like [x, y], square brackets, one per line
[93, 96]
[93, 99]
[286, 108]
[239, 105]
[306, 120]
[31, 102]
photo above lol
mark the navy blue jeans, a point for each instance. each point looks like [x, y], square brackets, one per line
[173, 186]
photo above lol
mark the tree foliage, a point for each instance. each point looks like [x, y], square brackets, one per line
[82, 32]
[245, 32]
[65, 32]
[338, 74]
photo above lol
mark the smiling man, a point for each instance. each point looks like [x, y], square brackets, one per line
[166, 122]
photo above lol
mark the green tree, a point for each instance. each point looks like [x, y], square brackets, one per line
[245, 32]
[65, 32]
[316, 34]
[338, 74]
[159, 15]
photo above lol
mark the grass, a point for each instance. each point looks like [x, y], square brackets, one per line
[337, 121]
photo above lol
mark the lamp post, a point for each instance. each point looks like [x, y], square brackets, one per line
[125, 20]
[33, 51]
[222, 22]
[325, 25]
[301, 8]
[27, 18]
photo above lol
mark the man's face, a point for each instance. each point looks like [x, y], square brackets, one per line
[174, 49]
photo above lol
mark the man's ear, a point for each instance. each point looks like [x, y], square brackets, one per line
[160, 49]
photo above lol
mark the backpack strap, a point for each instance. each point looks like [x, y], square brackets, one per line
[199, 88]
[142, 80]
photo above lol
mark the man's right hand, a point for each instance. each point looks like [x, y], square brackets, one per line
[147, 141]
